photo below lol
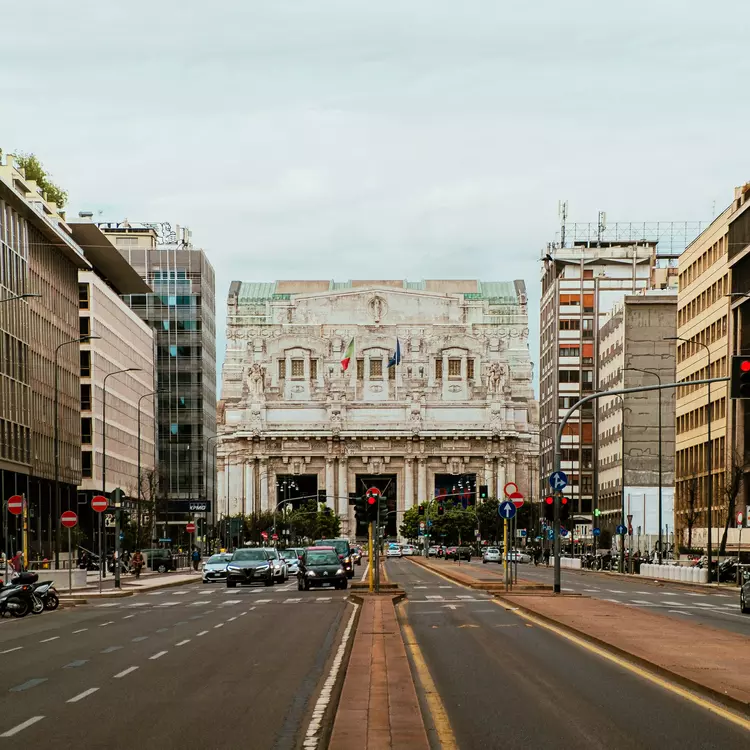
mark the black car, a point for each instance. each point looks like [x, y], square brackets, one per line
[458, 553]
[745, 590]
[250, 566]
[320, 566]
[344, 551]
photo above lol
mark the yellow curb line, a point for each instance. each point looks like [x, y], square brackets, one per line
[625, 664]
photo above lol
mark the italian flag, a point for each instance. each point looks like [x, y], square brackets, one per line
[348, 354]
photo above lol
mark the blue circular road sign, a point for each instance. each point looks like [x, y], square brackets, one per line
[622, 529]
[596, 532]
[563, 532]
[506, 510]
[558, 481]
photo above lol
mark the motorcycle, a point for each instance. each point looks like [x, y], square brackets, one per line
[18, 601]
[48, 594]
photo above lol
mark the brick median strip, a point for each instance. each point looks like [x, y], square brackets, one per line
[378, 709]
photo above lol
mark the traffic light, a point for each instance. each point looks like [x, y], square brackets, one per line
[371, 500]
[564, 508]
[549, 508]
[322, 497]
[420, 510]
[383, 510]
[360, 509]
[739, 381]
[597, 512]
[483, 492]
[352, 498]
[440, 509]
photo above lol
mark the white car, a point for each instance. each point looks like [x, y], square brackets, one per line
[408, 550]
[521, 557]
[215, 568]
[292, 561]
[280, 571]
[491, 554]
[393, 551]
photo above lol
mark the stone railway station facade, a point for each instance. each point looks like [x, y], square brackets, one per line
[457, 412]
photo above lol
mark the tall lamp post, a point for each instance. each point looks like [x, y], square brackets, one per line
[56, 450]
[710, 462]
[102, 562]
[658, 377]
[140, 479]
[205, 477]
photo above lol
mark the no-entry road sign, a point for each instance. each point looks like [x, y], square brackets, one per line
[99, 503]
[516, 498]
[190, 527]
[69, 519]
[15, 505]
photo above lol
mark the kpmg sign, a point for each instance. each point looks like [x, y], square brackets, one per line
[189, 506]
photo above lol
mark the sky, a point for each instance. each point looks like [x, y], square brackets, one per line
[398, 139]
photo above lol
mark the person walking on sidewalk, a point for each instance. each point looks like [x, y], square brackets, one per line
[196, 557]
[137, 563]
[546, 556]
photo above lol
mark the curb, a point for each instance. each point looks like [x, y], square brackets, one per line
[658, 581]
[121, 594]
[697, 687]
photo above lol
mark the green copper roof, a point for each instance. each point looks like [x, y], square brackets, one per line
[252, 291]
[498, 290]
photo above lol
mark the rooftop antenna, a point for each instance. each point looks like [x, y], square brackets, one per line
[562, 212]
[601, 225]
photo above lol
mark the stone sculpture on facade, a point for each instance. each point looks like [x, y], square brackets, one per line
[257, 380]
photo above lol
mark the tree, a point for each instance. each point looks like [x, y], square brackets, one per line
[490, 523]
[34, 170]
[732, 485]
[150, 481]
[691, 513]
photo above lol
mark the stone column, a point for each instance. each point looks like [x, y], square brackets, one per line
[343, 503]
[221, 492]
[249, 505]
[408, 485]
[511, 467]
[489, 476]
[330, 488]
[422, 481]
[264, 498]
[501, 481]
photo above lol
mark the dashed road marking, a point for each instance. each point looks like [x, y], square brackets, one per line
[232, 602]
[220, 625]
[615, 591]
[231, 619]
[104, 624]
[262, 601]
[680, 612]
[157, 655]
[21, 727]
[169, 604]
[125, 672]
[182, 643]
[28, 685]
[434, 597]
[138, 604]
[641, 601]
[11, 650]
[127, 617]
[82, 630]
[140, 638]
[75, 664]
[111, 649]
[323, 599]
[54, 638]
[81, 696]
[110, 604]
[203, 632]
[292, 601]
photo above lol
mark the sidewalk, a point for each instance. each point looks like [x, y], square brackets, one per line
[378, 709]
[130, 586]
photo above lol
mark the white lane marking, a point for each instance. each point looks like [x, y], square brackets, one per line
[125, 672]
[641, 601]
[82, 695]
[420, 587]
[721, 596]
[111, 604]
[691, 593]
[313, 728]
[155, 593]
[157, 655]
[672, 603]
[182, 643]
[445, 587]
[323, 599]
[231, 602]
[220, 625]
[680, 612]
[292, 601]
[262, 601]
[644, 593]
[127, 617]
[47, 640]
[589, 591]
[111, 622]
[465, 596]
[169, 604]
[615, 591]
[564, 589]
[21, 727]
[203, 632]
[231, 619]
[242, 614]
[179, 593]
[138, 604]
[11, 650]
[614, 601]
[668, 593]
[82, 630]
[705, 604]
[435, 597]
[140, 638]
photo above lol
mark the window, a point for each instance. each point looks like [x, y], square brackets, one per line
[454, 369]
[86, 464]
[282, 369]
[86, 430]
[569, 351]
[360, 369]
[298, 369]
[376, 368]
[470, 369]
[126, 241]
[313, 369]
[84, 325]
[83, 296]
[85, 396]
[569, 324]
[438, 369]
[85, 363]
[392, 373]
[568, 376]
[587, 484]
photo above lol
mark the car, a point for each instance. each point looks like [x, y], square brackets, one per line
[159, 559]
[250, 565]
[432, 552]
[321, 566]
[215, 568]
[745, 590]
[280, 570]
[521, 557]
[291, 558]
[458, 553]
[343, 549]
[491, 554]
[408, 550]
[393, 550]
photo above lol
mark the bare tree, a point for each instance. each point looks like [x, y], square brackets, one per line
[732, 486]
[691, 513]
[150, 481]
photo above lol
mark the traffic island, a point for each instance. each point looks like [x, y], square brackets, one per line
[378, 709]
[708, 661]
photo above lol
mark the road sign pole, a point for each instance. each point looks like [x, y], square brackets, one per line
[70, 565]
[101, 562]
[370, 557]
[116, 555]
[505, 552]
[557, 587]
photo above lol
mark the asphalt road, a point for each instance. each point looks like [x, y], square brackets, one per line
[199, 665]
[717, 608]
[507, 683]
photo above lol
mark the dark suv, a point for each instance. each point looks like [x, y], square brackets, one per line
[320, 566]
[344, 551]
[254, 565]
[458, 553]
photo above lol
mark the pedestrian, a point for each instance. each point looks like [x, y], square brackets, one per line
[196, 557]
[17, 562]
[137, 562]
[546, 556]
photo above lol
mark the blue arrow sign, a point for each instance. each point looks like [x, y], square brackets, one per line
[596, 532]
[622, 529]
[558, 481]
[506, 510]
[563, 531]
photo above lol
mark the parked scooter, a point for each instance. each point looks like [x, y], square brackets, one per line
[18, 601]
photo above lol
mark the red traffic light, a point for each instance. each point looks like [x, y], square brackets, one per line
[371, 499]
[549, 500]
[563, 500]
[745, 365]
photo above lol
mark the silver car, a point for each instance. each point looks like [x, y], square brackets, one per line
[491, 554]
[292, 561]
[280, 570]
[215, 568]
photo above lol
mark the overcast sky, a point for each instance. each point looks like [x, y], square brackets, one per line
[398, 138]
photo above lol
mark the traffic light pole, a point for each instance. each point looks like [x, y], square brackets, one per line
[370, 557]
[558, 446]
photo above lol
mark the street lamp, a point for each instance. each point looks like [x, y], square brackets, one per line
[710, 444]
[56, 441]
[102, 562]
[20, 296]
[205, 478]
[658, 377]
[140, 480]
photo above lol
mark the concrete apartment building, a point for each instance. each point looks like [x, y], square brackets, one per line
[37, 255]
[703, 318]
[181, 311]
[632, 339]
[125, 341]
